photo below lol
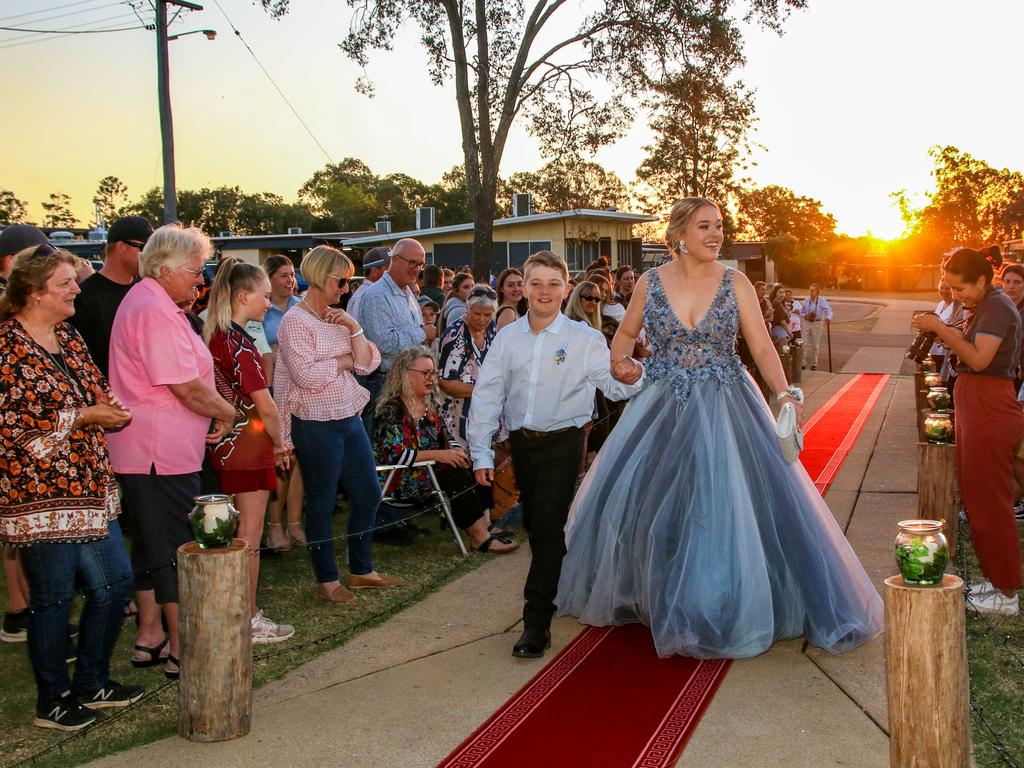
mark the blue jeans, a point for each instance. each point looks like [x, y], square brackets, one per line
[373, 384]
[102, 572]
[329, 451]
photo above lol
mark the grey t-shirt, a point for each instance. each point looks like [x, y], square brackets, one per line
[996, 315]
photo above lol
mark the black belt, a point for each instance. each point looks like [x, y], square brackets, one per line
[533, 434]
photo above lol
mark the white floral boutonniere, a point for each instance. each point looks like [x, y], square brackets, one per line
[560, 355]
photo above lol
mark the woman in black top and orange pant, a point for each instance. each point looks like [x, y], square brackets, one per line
[989, 424]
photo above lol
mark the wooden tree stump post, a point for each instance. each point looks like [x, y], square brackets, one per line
[215, 688]
[926, 674]
[797, 359]
[936, 489]
[921, 390]
[786, 358]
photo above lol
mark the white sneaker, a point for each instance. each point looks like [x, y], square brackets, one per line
[266, 631]
[994, 602]
[978, 588]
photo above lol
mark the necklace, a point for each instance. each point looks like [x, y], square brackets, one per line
[61, 364]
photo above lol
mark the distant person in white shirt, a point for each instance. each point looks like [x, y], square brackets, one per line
[815, 314]
[793, 307]
[541, 372]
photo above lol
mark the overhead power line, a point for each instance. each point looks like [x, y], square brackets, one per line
[68, 31]
[7, 19]
[114, 24]
[80, 12]
[276, 87]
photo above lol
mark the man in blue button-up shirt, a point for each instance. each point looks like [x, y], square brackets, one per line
[392, 319]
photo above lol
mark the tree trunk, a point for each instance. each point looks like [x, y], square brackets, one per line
[483, 234]
[215, 690]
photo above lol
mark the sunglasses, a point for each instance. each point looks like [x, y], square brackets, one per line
[135, 244]
[483, 290]
[594, 299]
[43, 249]
[341, 280]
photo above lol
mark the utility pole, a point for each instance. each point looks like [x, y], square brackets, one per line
[164, 95]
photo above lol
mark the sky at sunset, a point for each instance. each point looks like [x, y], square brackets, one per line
[849, 100]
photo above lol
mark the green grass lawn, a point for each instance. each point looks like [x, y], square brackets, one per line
[995, 647]
[287, 596]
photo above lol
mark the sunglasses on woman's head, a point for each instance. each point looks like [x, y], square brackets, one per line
[483, 290]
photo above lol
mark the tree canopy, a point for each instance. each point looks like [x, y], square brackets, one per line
[12, 210]
[508, 60]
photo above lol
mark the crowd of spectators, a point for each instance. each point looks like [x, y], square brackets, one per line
[288, 399]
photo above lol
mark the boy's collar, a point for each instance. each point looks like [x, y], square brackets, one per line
[554, 327]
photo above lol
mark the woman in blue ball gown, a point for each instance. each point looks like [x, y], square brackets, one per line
[691, 521]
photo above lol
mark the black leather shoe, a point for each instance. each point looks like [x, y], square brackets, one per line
[532, 644]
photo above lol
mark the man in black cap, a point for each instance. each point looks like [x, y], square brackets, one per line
[102, 293]
[375, 263]
[14, 239]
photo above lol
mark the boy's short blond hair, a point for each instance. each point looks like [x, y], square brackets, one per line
[546, 259]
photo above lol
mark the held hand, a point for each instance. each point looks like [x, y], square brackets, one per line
[218, 431]
[345, 362]
[431, 331]
[106, 416]
[484, 477]
[337, 316]
[108, 398]
[627, 370]
[282, 458]
[928, 321]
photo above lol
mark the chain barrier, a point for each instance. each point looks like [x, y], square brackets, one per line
[994, 737]
[154, 695]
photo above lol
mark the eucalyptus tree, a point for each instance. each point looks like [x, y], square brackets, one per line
[571, 69]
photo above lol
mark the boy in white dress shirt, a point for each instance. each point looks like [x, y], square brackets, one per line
[541, 373]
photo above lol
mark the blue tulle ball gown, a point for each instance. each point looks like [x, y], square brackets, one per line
[690, 520]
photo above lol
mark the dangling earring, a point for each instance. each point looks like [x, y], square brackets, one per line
[682, 249]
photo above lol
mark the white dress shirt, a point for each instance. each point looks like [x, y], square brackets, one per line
[543, 381]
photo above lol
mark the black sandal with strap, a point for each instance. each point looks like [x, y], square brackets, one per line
[177, 672]
[154, 655]
[485, 545]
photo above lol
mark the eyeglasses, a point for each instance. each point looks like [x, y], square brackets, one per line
[428, 375]
[411, 263]
[594, 299]
[341, 280]
[193, 272]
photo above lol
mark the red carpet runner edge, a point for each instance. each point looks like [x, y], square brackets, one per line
[607, 700]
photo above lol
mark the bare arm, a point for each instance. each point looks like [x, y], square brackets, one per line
[199, 397]
[977, 356]
[626, 336]
[267, 409]
[455, 388]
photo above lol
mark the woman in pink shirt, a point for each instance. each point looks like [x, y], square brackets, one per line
[163, 372]
[320, 403]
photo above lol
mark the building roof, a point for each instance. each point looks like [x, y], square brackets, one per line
[588, 213]
[283, 242]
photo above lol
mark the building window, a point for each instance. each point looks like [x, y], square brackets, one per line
[520, 250]
[579, 253]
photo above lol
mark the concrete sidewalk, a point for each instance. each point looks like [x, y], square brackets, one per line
[409, 691]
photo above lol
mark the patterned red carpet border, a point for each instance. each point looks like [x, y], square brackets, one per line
[596, 704]
[607, 700]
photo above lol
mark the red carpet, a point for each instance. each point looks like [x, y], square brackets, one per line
[607, 700]
[830, 433]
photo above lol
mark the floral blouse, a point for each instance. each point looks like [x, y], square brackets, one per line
[56, 484]
[460, 361]
[398, 438]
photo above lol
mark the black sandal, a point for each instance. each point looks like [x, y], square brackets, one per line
[497, 529]
[176, 673]
[154, 655]
[485, 545]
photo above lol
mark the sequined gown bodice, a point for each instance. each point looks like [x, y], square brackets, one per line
[686, 356]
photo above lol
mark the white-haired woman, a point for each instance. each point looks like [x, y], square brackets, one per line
[163, 372]
[408, 429]
[319, 401]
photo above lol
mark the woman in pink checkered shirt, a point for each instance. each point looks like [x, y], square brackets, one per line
[320, 402]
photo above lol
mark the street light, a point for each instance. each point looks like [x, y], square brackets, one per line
[211, 34]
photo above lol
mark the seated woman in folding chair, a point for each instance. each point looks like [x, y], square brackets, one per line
[407, 429]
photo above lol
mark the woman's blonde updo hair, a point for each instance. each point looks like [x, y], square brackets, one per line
[29, 275]
[679, 218]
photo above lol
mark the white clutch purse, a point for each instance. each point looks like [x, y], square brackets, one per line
[789, 433]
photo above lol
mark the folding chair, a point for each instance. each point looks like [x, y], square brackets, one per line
[446, 507]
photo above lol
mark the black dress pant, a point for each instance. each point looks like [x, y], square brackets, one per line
[546, 466]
